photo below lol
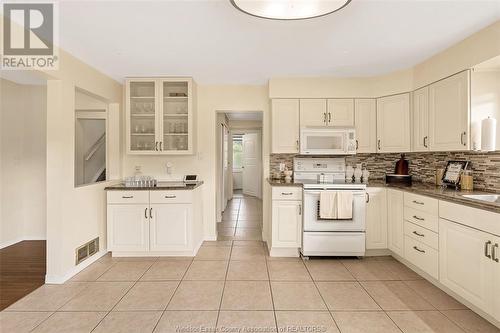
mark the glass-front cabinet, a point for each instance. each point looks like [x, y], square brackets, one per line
[159, 116]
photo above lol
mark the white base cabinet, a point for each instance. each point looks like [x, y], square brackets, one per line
[286, 223]
[395, 222]
[142, 223]
[376, 218]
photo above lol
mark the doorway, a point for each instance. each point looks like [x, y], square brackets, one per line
[240, 176]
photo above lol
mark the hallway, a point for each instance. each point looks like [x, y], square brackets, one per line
[242, 219]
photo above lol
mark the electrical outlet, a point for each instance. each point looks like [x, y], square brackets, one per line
[282, 166]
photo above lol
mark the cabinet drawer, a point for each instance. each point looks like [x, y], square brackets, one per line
[177, 196]
[425, 220]
[287, 193]
[422, 256]
[422, 203]
[128, 197]
[422, 235]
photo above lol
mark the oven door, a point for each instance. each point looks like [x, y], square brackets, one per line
[323, 142]
[312, 223]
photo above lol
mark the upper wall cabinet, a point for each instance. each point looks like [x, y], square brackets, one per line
[285, 126]
[159, 116]
[340, 112]
[313, 113]
[449, 113]
[365, 116]
[393, 124]
[421, 119]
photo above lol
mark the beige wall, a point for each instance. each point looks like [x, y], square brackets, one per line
[75, 215]
[22, 162]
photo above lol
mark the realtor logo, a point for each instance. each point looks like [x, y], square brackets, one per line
[29, 32]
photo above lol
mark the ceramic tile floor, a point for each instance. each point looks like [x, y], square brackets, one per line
[233, 285]
[242, 219]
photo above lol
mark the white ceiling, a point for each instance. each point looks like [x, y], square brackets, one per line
[215, 43]
[251, 116]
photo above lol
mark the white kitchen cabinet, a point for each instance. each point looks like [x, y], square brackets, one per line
[421, 120]
[449, 113]
[376, 218]
[286, 220]
[285, 126]
[287, 223]
[128, 227]
[393, 124]
[340, 112]
[464, 264]
[496, 278]
[156, 222]
[395, 221]
[170, 227]
[159, 116]
[365, 120]
[313, 113]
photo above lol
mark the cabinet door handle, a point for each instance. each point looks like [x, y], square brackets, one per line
[494, 253]
[357, 144]
[329, 117]
[300, 209]
[367, 197]
[161, 149]
[425, 141]
[324, 117]
[146, 212]
[416, 248]
[487, 246]
[151, 213]
[297, 144]
[378, 144]
[418, 218]
[156, 145]
[419, 235]
[127, 197]
[418, 202]
[462, 140]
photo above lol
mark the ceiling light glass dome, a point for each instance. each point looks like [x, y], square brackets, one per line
[289, 9]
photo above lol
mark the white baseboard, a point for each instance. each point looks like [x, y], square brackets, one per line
[284, 252]
[60, 279]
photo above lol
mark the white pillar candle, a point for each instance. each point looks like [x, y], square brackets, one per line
[488, 134]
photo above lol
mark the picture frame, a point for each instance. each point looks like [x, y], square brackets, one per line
[452, 172]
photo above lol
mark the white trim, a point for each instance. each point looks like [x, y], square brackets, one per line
[60, 279]
[284, 252]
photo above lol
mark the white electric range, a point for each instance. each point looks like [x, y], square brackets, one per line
[330, 237]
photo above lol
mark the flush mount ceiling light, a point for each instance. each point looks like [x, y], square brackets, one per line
[289, 9]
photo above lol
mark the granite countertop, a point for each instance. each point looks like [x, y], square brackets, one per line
[446, 194]
[162, 186]
[281, 182]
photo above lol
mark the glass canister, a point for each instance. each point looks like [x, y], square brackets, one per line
[467, 181]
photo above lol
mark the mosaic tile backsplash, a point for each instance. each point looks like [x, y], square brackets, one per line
[485, 166]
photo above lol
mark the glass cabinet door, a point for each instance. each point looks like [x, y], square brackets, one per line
[176, 116]
[142, 104]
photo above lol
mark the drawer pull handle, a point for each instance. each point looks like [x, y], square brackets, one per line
[286, 193]
[418, 218]
[127, 197]
[494, 253]
[170, 196]
[418, 202]
[420, 235]
[416, 248]
[487, 246]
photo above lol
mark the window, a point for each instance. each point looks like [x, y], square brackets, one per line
[237, 151]
[90, 139]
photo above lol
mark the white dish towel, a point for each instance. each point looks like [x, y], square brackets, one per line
[344, 205]
[328, 205]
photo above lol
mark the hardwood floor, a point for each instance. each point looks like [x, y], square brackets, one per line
[22, 270]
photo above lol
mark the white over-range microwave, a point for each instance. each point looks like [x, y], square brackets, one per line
[327, 141]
